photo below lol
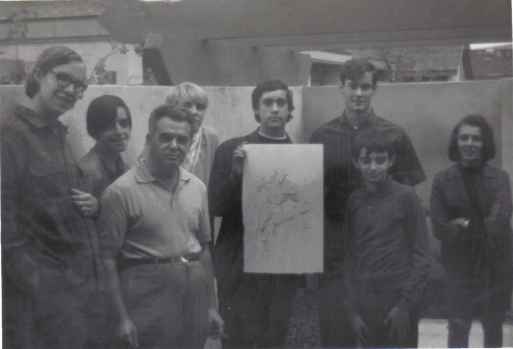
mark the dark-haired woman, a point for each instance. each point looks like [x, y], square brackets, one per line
[47, 238]
[109, 123]
[471, 212]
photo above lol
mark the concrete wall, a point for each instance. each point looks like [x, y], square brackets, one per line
[229, 112]
[427, 111]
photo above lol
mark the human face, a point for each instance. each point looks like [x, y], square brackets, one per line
[197, 111]
[470, 143]
[358, 94]
[374, 166]
[273, 110]
[115, 138]
[61, 87]
[169, 143]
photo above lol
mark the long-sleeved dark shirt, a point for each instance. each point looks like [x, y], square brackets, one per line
[341, 178]
[387, 244]
[46, 242]
[225, 201]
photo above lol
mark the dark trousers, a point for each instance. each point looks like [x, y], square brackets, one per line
[373, 306]
[335, 330]
[257, 312]
[470, 298]
[459, 330]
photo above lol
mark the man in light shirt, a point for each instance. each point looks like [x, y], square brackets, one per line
[154, 237]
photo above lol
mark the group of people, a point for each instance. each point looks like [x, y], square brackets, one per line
[100, 254]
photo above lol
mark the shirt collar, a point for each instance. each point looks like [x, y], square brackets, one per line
[36, 120]
[143, 174]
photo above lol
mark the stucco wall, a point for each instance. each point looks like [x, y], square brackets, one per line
[427, 111]
[229, 112]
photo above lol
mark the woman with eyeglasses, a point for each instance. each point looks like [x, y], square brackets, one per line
[49, 265]
[471, 213]
[204, 143]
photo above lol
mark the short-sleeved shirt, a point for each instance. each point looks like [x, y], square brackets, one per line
[341, 177]
[141, 218]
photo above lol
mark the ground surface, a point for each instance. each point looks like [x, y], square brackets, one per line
[304, 327]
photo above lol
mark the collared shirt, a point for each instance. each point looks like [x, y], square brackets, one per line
[39, 220]
[101, 174]
[387, 243]
[340, 176]
[140, 217]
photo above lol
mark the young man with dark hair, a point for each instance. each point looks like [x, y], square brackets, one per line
[154, 237]
[387, 258]
[255, 307]
[358, 80]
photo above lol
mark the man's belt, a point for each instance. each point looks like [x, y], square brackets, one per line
[124, 263]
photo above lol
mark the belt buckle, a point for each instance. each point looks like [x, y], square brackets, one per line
[184, 260]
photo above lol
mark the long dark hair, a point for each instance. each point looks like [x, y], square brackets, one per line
[476, 120]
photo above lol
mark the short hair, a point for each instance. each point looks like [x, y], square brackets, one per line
[354, 69]
[102, 113]
[168, 111]
[47, 60]
[476, 120]
[187, 92]
[375, 141]
[267, 86]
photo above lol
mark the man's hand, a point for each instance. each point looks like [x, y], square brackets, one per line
[128, 333]
[216, 324]
[86, 203]
[239, 154]
[398, 322]
[360, 329]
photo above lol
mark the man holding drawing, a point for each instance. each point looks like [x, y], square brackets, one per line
[255, 307]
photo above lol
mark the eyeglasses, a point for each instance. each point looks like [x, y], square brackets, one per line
[280, 102]
[64, 80]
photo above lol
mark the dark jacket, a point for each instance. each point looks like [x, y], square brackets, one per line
[483, 251]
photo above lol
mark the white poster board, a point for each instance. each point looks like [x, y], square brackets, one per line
[282, 204]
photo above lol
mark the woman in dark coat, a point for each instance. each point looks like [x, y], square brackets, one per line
[471, 212]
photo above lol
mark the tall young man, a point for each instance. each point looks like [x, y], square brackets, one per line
[358, 79]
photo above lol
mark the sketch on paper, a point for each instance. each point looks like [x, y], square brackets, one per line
[283, 208]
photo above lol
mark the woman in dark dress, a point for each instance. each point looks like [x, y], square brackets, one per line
[471, 212]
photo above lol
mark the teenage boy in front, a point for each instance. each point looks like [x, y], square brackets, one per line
[386, 252]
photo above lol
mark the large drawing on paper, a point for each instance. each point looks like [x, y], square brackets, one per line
[283, 208]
